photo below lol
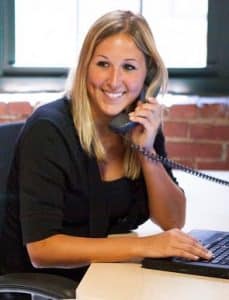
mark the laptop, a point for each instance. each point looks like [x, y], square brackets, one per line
[218, 266]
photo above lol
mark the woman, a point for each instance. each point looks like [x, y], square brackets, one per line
[74, 181]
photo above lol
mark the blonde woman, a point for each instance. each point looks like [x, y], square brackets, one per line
[74, 181]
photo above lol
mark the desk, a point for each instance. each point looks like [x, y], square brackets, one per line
[207, 207]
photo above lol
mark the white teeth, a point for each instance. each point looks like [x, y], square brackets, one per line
[113, 95]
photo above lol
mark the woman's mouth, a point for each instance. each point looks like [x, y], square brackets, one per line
[114, 95]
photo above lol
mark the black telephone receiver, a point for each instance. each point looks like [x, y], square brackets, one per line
[121, 125]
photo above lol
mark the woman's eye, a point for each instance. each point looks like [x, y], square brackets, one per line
[103, 64]
[129, 67]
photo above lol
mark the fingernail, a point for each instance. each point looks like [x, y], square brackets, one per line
[210, 254]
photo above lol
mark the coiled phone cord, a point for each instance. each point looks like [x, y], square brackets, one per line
[174, 165]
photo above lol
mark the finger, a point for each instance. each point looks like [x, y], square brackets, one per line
[145, 120]
[149, 112]
[190, 246]
[194, 248]
[147, 105]
[180, 253]
[193, 254]
[151, 100]
[154, 110]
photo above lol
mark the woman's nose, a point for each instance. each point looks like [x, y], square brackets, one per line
[114, 78]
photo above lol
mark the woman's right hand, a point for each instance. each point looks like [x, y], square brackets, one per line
[173, 242]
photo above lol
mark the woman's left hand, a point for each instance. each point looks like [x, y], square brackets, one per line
[149, 116]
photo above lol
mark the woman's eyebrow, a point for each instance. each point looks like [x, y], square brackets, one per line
[130, 59]
[125, 59]
[103, 56]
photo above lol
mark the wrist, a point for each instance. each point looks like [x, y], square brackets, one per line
[145, 154]
[137, 248]
[143, 247]
[144, 151]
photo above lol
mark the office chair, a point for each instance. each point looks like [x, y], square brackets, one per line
[38, 285]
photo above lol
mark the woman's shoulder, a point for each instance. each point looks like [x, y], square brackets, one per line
[56, 110]
[56, 113]
[53, 117]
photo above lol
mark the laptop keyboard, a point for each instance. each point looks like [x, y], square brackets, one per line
[220, 250]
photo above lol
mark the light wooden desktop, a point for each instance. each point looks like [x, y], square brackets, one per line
[207, 207]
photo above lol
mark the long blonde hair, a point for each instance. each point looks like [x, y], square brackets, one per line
[110, 24]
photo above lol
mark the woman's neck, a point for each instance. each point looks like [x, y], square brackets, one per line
[112, 167]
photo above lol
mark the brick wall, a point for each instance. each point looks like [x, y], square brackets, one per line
[14, 111]
[197, 136]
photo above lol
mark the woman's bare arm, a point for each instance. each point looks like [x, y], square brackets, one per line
[63, 251]
[166, 200]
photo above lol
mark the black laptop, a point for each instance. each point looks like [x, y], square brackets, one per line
[216, 241]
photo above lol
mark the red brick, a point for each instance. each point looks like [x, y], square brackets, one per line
[175, 129]
[213, 165]
[20, 108]
[183, 112]
[3, 108]
[228, 152]
[194, 150]
[209, 132]
[214, 111]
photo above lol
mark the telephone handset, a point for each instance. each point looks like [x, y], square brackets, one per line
[121, 125]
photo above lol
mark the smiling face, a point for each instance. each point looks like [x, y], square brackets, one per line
[115, 76]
